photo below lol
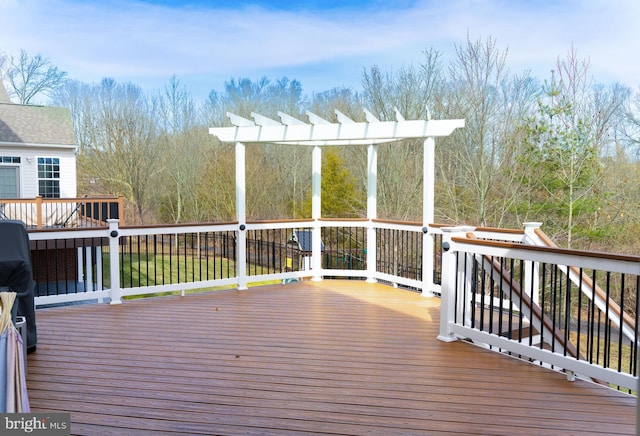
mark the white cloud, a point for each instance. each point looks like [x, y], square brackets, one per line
[144, 43]
[539, 32]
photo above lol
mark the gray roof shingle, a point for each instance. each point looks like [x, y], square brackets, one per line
[30, 124]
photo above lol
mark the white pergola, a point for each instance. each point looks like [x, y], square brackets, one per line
[318, 133]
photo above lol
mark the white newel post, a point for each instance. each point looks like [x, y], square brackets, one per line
[531, 269]
[114, 263]
[372, 211]
[452, 275]
[316, 212]
[448, 282]
[428, 200]
[241, 216]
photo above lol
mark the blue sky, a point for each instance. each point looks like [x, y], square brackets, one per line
[324, 44]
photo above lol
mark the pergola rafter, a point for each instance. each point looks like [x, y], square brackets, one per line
[319, 132]
[324, 133]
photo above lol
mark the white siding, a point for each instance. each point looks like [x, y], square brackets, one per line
[29, 168]
[29, 176]
[68, 187]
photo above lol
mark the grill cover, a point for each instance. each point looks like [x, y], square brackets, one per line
[17, 275]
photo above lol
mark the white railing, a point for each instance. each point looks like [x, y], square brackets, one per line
[120, 262]
[105, 261]
[542, 304]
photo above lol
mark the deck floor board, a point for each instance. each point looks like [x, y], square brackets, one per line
[331, 357]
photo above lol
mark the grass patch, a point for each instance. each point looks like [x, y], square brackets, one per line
[140, 270]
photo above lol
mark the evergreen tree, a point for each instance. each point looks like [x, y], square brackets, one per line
[340, 197]
[560, 162]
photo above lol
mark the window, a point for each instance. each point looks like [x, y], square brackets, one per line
[9, 160]
[49, 177]
[9, 177]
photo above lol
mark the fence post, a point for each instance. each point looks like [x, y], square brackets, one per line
[114, 262]
[241, 257]
[531, 274]
[39, 212]
[120, 209]
[241, 216]
[371, 255]
[449, 281]
[428, 266]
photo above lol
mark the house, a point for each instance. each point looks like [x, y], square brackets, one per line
[37, 151]
[38, 161]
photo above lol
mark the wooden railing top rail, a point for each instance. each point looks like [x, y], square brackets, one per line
[59, 199]
[40, 212]
[404, 223]
[177, 226]
[291, 220]
[564, 251]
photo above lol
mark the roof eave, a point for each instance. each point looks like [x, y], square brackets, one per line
[9, 144]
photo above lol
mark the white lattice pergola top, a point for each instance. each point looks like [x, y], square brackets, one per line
[320, 132]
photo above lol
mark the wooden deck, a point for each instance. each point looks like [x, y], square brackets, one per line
[331, 357]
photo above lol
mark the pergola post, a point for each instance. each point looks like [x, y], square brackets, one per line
[316, 213]
[241, 216]
[372, 210]
[428, 202]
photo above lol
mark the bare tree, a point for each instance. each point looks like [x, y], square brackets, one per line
[472, 162]
[184, 141]
[79, 98]
[630, 130]
[353, 158]
[411, 90]
[269, 169]
[30, 77]
[3, 61]
[117, 134]
[414, 92]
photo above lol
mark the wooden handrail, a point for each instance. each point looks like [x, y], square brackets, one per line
[34, 211]
[501, 244]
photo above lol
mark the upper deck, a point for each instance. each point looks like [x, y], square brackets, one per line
[329, 357]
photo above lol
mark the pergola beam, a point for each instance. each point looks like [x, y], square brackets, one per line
[289, 120]
[316, 119]
[239, 121]
[356, 133]
[342, 118]
[370, 117]
[261, 120]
